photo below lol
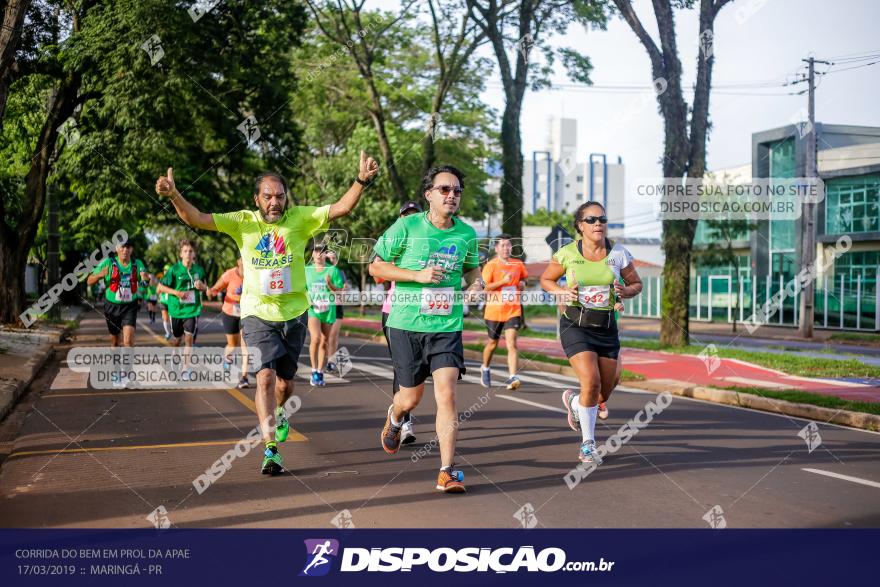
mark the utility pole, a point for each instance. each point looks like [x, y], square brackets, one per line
[808, 216]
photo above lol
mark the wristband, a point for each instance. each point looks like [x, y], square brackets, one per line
[366, 184]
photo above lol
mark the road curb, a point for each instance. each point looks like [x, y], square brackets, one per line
[756, 402]
[12, 390]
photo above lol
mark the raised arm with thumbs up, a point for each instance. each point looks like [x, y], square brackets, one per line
[187, 212]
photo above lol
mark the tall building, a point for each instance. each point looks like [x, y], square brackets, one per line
[769, 256]
[560, 178]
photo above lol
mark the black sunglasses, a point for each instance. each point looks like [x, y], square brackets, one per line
[445, 189]
[593, 219]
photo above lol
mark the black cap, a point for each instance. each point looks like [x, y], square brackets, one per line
[411, 205]
[127, 243]
[320, 247]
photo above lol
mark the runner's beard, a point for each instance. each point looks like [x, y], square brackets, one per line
[271, 217]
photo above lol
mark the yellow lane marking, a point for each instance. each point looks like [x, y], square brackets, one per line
[247, 402]
[111, 448]
[127, 392]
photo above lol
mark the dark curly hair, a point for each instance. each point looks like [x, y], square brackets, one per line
[428, 180]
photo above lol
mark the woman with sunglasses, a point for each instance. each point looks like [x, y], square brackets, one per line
[597, 275]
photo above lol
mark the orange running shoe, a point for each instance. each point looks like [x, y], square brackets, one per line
[390, 437]
[603, 411]
[450, 481]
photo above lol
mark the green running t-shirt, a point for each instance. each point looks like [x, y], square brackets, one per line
[272, 255]
[412, 242]
[122, 281]
[182, 279]
[322, 307]
[594, 278]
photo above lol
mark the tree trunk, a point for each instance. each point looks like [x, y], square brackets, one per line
[10, 34]
[676, 283]
[12, 267]
[15, 243]
[512, 162]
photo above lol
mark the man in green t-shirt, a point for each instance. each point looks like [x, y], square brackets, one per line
[271, 241]
[427, 255]
[152, 298]
[184, 283]
[121, 275]
[322, 280]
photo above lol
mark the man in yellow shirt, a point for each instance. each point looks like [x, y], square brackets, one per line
[274, 301]
[505, 277]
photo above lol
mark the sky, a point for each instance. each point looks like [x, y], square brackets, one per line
[758, 46]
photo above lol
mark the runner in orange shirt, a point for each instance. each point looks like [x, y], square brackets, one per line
[232, 282]
[505, 278]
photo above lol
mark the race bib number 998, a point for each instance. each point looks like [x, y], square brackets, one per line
[437, 301]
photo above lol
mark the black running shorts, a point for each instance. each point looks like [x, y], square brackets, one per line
[605, 342]
[279, 343]
[119, 315]
[231, 324]
[416, 355]
[495, 328]
[179, 326]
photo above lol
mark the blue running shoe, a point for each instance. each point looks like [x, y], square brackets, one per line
[588, 453]
[486, 376]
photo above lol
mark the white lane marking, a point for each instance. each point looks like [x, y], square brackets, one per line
[832, 382]
[531, 403]
[756, 382]
[70, 379]
[305, 372]
[640, 361]
[373, 369]
[844, 477]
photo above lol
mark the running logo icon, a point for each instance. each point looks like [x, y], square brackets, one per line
[320, 554]
[271, 243]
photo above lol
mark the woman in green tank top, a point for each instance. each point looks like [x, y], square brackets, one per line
[597, 276]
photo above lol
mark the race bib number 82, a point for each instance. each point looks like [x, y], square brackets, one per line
[274, 282]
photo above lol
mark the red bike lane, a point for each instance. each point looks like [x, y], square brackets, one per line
[709, 371]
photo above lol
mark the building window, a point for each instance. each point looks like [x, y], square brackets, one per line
[580, 197]
[782, 165]
[579, 179]
[852, 204]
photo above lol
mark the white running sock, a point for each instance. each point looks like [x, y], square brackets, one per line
[393, 421]
[484, 367]
[167, 326]
[587, 416]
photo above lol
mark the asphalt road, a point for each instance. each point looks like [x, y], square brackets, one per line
[78, 457]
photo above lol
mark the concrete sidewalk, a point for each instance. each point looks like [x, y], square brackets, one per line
[23, 352]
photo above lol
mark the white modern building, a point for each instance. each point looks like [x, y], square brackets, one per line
[560, 178]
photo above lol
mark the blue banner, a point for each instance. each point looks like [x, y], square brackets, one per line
[469, 557]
